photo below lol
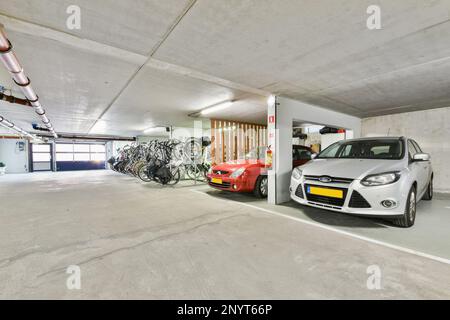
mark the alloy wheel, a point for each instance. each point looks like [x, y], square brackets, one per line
[264, 186]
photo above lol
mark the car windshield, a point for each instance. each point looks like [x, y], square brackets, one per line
[257, 153]
[364, 149]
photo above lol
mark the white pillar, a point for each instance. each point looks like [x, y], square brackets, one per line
[283, 153]
[285, 111]
[272, 144]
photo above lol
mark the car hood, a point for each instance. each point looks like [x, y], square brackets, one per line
[350, 168]
[236, 164]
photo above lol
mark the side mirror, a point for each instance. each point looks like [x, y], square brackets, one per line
[421, 157]
[313, 156]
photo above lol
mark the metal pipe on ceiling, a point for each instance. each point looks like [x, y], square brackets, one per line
[78, 137]
[14, 100]
[9, 125]
[13, 66]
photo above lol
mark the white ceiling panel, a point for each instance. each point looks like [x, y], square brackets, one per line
[137, 26]
[208, 51]
[73, 85]
[301, 49]
[162, 98]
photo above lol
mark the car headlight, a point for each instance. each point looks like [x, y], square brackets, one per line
[237, 173]
[380, 179]
[297, 173]
[210, 170]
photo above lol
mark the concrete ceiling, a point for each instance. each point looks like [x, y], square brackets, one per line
[135, 65]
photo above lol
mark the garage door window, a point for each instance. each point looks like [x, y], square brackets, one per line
[80, 152]
[80, 156]
[64, 157]
[41, 157]
[81, 148]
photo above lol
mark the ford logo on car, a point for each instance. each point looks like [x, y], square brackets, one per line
[325, 179]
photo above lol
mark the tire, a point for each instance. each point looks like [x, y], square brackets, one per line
[142, 174]
[194, 172]
[176, 176]
[261, 187]
[429, 193]
[409, 217]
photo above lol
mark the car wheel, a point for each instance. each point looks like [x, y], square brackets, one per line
[261, 187]
[409, 216]
[429, 193]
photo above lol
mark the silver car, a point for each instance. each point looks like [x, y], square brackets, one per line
[380, 177]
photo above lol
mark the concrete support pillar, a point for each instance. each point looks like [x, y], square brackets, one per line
[281, 114]
[283, 153]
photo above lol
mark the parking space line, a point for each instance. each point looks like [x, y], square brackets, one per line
[353, 235]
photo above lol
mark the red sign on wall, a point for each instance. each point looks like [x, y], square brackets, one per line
[271, 119]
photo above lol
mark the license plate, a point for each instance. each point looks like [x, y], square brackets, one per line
[332, 193]
[216, 180]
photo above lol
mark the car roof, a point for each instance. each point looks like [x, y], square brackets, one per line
[378, 138]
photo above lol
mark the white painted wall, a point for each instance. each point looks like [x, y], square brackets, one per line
[16, 161]
[312, 138]
[430, 128]
[288, 110]
[328, 139]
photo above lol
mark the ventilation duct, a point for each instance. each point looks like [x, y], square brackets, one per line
[11, 63]
[9, 125]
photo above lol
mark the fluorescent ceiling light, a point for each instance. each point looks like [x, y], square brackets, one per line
[216, 107]
[155, 129]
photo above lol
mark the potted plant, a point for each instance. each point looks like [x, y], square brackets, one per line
[2, 168]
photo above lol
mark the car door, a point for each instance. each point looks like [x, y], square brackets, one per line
[417, 168]
[426, 165]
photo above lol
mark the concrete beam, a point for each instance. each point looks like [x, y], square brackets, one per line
[35, 30]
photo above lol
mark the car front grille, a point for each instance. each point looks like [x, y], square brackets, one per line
[221, 172]
[223, 185]
[335, 202]
[332, 179]
[358, 201]
[299, 192]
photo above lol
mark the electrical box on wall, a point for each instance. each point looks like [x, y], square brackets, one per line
[20, 146]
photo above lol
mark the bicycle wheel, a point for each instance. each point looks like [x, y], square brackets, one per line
[175, 172]
[195, 172]
[137, 166]
[142, 173]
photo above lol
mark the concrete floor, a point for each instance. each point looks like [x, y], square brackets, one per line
[136, 240]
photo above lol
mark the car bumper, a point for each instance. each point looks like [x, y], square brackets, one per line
[367, 201]
[228, 184]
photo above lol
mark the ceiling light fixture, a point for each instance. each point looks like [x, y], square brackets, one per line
[156, 129]
[216, 107]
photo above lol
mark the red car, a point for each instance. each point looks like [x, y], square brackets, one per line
[250, 174]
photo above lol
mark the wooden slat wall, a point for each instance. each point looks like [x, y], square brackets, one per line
[231, 140]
